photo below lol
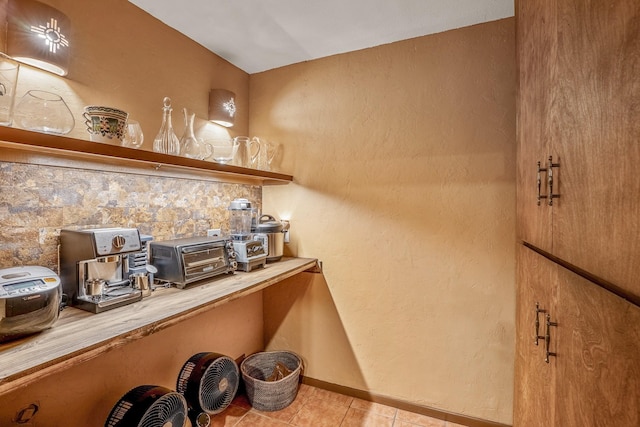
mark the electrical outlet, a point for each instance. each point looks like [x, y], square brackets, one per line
[286, 227]
[214, 232]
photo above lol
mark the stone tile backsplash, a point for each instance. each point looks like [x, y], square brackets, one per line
[37, 201]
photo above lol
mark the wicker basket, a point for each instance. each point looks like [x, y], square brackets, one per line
[270, 395]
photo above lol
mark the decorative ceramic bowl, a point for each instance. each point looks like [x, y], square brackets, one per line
[105, 124]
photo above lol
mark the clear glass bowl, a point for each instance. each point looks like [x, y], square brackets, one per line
[43, 111]
[224, 150]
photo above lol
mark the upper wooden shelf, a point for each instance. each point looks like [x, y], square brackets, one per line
[81, 149]
[79, 336]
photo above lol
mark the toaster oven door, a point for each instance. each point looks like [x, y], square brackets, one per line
[204, 261]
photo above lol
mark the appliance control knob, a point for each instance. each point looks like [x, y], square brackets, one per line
[118, 241]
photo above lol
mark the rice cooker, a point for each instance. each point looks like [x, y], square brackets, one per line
[29, 300]
[274, 231]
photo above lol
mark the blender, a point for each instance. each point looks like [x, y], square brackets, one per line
[251, 251]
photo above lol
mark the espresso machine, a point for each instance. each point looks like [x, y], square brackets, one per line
[94, 267]
[251, 251]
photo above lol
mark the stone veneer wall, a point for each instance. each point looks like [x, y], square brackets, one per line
[37, 201]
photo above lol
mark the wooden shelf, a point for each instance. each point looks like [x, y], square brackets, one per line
[62, 146]
[79, 336]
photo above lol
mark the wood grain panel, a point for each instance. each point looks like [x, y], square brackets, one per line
[598, 362]
[536, 46]
[535, 380]
[596, 138]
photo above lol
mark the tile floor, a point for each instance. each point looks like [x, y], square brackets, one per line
[315, 407]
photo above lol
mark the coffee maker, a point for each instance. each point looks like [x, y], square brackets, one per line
[251, 251]
[94, 266]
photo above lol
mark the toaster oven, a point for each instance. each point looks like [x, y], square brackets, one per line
[187, 260]
[29, 300]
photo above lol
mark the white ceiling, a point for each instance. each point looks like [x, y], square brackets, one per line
[259, 35]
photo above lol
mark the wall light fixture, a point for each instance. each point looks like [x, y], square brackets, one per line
[38, 35]
[222, 107]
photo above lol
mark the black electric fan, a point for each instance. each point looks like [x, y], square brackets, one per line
[149, 406]
[209, 382]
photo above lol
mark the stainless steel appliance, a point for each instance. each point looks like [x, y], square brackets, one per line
[251, 251]
[188, 260]
[274, 231]
[140, 272]
[93, 267]
[29, 300]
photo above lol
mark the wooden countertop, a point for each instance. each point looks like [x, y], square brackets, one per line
[78, 335]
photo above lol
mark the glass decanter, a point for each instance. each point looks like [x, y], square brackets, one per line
[166, 141]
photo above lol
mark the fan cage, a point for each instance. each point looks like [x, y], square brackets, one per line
[170, 409]
[148, 406]
[209, 382]
[219, 385]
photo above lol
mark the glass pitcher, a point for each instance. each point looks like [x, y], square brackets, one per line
[268, 152]
[190, 146]
[248, 151]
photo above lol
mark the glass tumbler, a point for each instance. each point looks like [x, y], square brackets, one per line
[133, 136]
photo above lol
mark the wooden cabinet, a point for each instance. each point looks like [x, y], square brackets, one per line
[579, 102]
[594, 377]
[579, 124]
[535, 34]
[534, 379]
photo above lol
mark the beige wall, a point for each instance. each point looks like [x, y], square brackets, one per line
[404, 163]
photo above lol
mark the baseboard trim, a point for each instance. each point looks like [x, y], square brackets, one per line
[411, 407]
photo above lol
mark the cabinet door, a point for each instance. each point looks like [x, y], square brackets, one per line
[596, 139]
[598, 364]
[594, 379]
[536, 43]
[534, 391]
